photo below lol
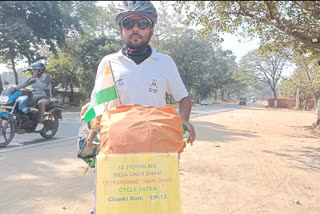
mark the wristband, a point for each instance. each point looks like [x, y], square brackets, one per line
[94, 123]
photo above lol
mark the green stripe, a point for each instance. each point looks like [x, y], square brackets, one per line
[89, 115]
[106, 95]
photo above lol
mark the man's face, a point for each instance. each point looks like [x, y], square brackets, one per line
[35, 73]
[136, 37]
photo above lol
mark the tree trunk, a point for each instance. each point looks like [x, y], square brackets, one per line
[316, 123]
[305, 104]
[71, 93]
[1, 87]
[222, 95]
[298, 98]
[275, 97]
[12, 57]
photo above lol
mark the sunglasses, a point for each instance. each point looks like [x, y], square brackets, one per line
[129, 23]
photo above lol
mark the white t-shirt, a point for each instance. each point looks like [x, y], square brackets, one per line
[146, 83]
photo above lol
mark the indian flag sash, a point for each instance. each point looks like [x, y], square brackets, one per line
[106, 91]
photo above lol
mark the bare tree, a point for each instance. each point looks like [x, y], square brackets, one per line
[267, 68]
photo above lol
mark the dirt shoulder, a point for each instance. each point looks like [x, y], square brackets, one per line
[252, 160]
[249, 160]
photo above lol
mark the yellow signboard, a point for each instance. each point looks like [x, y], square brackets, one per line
[138, 184]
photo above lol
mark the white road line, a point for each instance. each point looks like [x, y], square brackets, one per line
[38, 144]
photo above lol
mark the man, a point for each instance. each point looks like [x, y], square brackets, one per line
[142, 75]
[41, 85]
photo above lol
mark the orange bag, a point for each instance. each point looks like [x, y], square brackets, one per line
[138, 129]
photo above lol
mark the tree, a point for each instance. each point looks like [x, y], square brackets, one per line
[90, 54]
[78, 58]
[167, 28]
[63, 71]
[26, 25]
[298, 87]
[266, 67]
[204, 67]
[281, 24]
[77, 63]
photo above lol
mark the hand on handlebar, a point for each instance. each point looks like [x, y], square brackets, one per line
[192, 133]
[90, 138]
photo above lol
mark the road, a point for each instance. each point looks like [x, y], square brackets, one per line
[70, 124]
[35, 171]
[248, 160]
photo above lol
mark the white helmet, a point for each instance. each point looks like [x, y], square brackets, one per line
[141, 8]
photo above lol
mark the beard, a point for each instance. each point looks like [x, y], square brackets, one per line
[135, 45]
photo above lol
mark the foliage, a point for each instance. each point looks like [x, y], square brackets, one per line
[77, 35]
[92, 51]
[278, 24]
[266, 67]
[63, 70]
[203, 66]
[27, 25]
[167, 28]
[76, 65]
[85, 48]
[305, 77]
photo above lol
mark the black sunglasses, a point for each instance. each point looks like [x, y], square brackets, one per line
[129, 23]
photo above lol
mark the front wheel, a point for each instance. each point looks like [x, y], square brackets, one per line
[51, 125]
[7, 131]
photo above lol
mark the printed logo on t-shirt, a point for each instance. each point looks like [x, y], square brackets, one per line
[119, 82]
[153, 86]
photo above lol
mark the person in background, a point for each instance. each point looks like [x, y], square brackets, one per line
[41, 85]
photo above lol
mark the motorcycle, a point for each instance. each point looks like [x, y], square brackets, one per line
[18, 114]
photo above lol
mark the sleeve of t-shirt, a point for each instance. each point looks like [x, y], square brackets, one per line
[175, 86]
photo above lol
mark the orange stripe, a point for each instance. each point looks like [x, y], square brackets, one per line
[107, 70]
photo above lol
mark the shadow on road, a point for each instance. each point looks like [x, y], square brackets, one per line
[307, 158]
[212, 132]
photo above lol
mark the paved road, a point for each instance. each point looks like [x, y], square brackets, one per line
[68, 130]
[39, 175]
[70, 124]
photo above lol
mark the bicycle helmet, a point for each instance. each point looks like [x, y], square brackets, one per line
[38, 66]
[140, 8]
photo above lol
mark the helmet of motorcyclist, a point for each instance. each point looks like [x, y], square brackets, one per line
[38, 66]
[138, 8]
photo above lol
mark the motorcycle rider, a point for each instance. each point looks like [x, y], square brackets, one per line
[41, 85]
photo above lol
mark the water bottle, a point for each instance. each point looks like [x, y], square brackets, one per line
[185, 133]
[96, 140]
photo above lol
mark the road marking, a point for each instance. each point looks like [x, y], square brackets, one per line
[38, 144]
